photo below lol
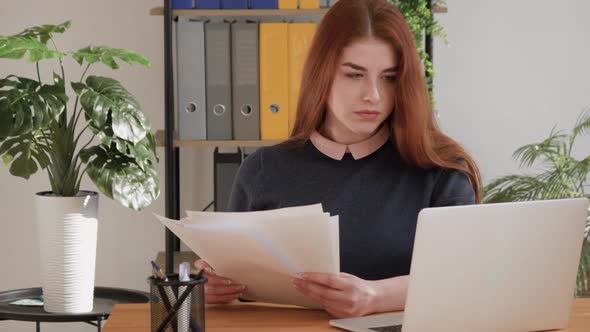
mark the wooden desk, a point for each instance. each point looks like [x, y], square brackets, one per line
[245, 317]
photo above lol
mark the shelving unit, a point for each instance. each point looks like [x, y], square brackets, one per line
[240, 12]
[159, 11]
[160, 140]
[166, 138]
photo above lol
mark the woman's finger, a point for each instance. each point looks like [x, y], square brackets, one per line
[326, 303]
[201, 264]
[220, 281]
[224, 290]
[331, 280]
[320, 291]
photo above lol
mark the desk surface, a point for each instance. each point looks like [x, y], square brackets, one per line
[246, 317]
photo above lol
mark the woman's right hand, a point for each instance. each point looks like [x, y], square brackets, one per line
[219, 289]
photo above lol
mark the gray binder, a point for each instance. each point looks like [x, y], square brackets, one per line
[324, 3]
[245, 81]
[191, 106]
[218, 69]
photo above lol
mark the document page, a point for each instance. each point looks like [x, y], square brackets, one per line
[264, 249]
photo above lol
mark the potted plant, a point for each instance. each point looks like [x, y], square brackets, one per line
[560, 176]
[39, 130]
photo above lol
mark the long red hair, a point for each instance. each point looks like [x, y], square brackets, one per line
[415, 131]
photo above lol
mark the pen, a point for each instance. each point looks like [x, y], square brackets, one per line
[166, 293]
[158, 271]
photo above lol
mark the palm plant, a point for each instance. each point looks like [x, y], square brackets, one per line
[36, 131]
[559, 175]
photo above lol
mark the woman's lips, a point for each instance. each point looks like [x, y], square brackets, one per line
[367, 115]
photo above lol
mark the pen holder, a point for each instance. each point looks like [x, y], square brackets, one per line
[177, 306]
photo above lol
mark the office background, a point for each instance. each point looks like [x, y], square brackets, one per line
[512, 71]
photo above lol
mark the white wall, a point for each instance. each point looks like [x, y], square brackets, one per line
[512, 71]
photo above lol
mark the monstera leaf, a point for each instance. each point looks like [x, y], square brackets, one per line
[16, 47]
[103, 97]
[107, 56]
[45, 32]
[32, 40]
[23, 153]
[26, 105]
[120, 178]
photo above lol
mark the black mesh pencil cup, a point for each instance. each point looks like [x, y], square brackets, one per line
[177, 306]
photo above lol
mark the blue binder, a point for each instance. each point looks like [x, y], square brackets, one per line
[182, 4]
[265, 4]
[208, 4]
[234, 4]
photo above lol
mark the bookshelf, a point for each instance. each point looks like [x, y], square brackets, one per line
[167, 137]
[159, 11]
[160, 140]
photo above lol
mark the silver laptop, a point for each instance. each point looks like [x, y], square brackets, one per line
[494, 267]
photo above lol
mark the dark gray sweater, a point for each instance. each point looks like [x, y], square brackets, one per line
[377, 199]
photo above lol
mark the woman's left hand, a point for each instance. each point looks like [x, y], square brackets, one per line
[341, 295]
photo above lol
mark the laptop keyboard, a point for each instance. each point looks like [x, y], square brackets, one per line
[391, 328]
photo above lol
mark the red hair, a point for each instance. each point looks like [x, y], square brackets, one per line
[415, 131]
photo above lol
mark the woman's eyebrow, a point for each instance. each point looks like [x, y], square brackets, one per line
[357, 67]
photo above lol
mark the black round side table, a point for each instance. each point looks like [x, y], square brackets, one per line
[105, 299]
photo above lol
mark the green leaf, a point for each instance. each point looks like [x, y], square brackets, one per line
[45, 32]
[129, 123]
[582, 125]
[16, 47]
[141, 153]
[107, 56]
[105, 96]
[20, 152]
[26, 106]
[547, 149]
[135, 188]
[118, 177]
[6, 117]
[97, 159]
[78, 87]
[23, 165]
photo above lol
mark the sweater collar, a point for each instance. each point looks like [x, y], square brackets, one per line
[358, 150]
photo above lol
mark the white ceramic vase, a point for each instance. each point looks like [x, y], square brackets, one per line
[67, 230]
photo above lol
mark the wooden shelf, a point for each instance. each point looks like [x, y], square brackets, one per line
[229, 143]
[159, 11]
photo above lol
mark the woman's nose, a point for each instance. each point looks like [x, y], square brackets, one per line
[371, 93]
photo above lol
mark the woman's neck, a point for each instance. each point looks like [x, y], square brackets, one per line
[340, 134]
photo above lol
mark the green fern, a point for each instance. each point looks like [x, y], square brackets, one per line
[560, 175]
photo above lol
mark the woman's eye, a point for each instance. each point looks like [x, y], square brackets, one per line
[354, 75]
[390, 78]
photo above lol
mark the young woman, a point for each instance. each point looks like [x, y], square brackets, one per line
[365, 145]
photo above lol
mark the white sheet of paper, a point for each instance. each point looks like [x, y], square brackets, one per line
[265, 253]
[282, 212]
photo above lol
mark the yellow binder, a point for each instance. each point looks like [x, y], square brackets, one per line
[309, 4]
[287, 4]
[274, 81]
[300, 37]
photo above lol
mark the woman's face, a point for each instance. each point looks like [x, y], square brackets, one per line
[362, 92]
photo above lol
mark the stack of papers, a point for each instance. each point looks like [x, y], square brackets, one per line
[264, 250]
